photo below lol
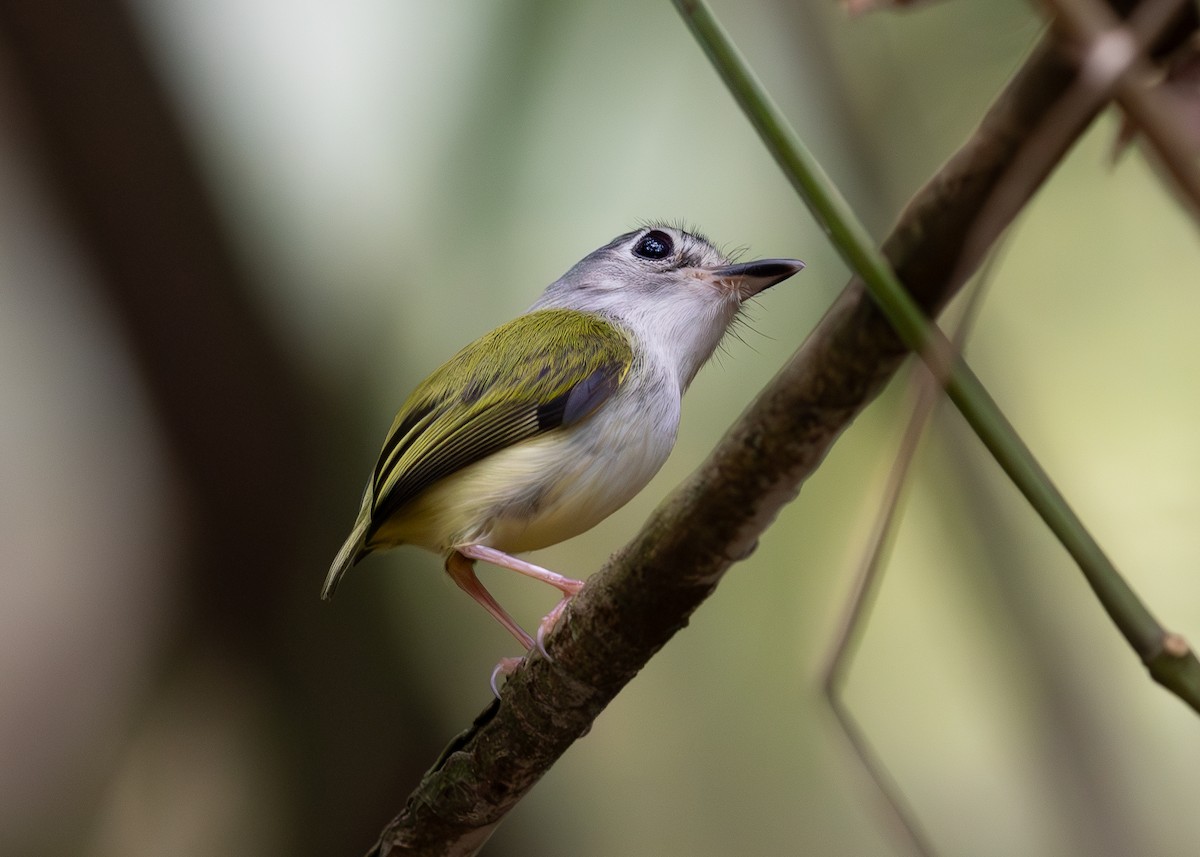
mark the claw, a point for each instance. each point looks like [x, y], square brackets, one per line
[506, 667]
[541, 643]
[547, 625]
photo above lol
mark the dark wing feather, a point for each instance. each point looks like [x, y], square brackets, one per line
[582, 399]
[559, 366]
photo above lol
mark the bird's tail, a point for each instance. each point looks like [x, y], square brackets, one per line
[349, 554]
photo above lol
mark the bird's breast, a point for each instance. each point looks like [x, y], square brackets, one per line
[576, 480]
[551, 488]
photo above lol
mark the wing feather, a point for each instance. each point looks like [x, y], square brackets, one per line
[475, 405]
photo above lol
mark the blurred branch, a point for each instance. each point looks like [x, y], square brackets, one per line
[234, 411]
[648, 591]
[1039, 151]
[1111, 63]
[224, 394]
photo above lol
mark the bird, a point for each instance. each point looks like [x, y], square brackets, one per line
[543, 427]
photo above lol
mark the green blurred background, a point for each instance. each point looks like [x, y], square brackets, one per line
[398, 177]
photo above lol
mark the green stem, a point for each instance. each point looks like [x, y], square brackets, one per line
[1168, 658]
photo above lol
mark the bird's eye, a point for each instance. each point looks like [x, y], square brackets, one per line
[655, 244]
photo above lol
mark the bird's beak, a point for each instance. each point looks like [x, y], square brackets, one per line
[750, 278]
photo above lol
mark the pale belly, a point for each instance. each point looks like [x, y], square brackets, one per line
[543, 491]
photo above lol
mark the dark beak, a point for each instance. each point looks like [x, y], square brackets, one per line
[750, 278]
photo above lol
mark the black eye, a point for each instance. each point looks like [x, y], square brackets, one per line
[655, 244]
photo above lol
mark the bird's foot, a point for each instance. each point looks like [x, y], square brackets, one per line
[549, 621]
[505, 668]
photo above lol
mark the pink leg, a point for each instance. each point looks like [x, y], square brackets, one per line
[462, 571]
[566, 585]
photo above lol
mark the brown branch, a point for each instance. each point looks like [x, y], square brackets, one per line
[647, 592]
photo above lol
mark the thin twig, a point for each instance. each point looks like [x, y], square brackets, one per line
[925, 393]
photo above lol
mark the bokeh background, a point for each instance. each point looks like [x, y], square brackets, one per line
[392, 178]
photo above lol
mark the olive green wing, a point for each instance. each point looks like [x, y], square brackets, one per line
[542, 371]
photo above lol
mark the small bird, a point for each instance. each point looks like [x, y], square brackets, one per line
[542, 428]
